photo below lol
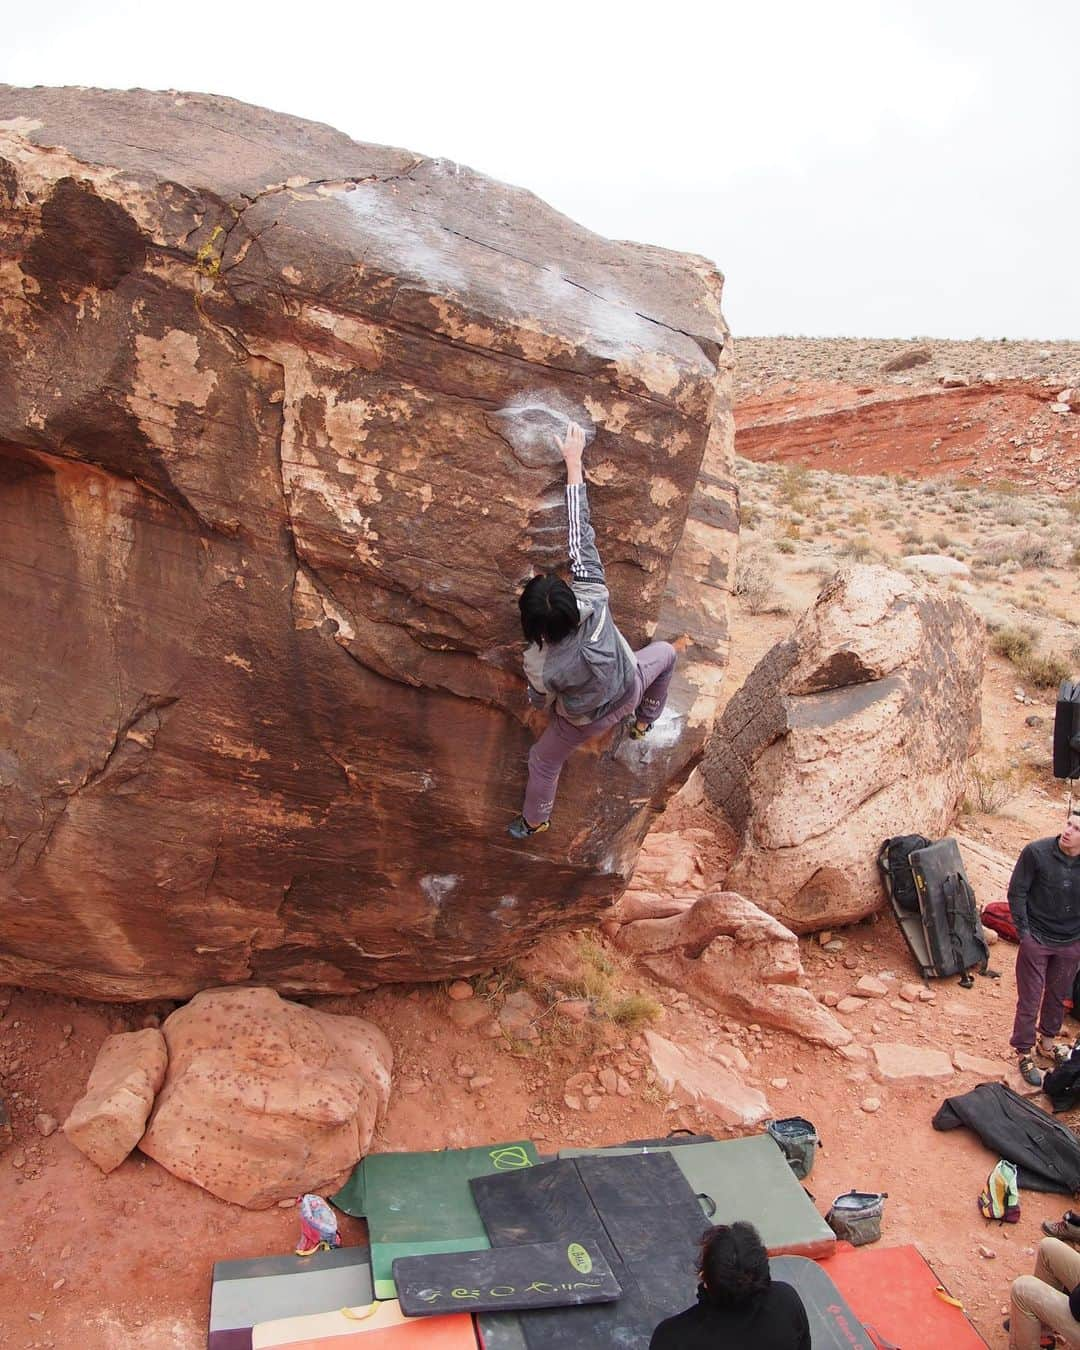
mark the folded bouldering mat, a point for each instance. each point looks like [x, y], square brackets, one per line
[1046, 1153]
[747, 1179]
[246, 1292]
[419, 1203]
[636, 1207]
[320, 1326]
[833, 1324]
[536, 1275]
[451, 1332]
[894, 1291]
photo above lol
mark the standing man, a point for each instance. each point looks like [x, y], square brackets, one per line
[1044, 898]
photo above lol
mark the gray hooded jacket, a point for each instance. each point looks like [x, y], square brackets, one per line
[592, 670]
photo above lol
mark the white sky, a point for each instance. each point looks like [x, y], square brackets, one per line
[853, 167]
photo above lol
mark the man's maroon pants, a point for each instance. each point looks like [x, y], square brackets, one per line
[1044, 980]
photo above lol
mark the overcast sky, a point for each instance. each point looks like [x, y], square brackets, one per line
[860, 168]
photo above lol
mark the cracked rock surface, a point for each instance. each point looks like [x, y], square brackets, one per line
[276, 413]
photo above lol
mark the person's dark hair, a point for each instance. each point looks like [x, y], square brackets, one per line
[734, 1264]
[549, 609]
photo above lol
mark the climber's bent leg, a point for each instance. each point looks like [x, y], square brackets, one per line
[656, 665]
[546, 759]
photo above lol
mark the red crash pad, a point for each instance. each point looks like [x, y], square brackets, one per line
[892, 1291]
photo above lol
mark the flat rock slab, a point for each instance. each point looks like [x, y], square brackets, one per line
[702, 1081]
[981, 1064]
[895, 1062]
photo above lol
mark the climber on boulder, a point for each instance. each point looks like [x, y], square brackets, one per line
[577, 663]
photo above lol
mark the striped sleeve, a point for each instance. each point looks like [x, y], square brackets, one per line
[584, 559]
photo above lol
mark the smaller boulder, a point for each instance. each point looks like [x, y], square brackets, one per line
[110, 1118]
[871, 987]
[265, 1098]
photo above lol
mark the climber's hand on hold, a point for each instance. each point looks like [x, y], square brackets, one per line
[571, 448]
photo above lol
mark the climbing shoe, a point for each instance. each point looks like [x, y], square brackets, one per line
[1066, 1229]
[636, 731]
[519, 828]
[1029, 1071]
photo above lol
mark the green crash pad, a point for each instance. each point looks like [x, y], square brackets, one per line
[417, 1204]
[747, 1179]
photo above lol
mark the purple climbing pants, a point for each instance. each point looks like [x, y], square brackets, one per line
[655, 664]
[1044, 979]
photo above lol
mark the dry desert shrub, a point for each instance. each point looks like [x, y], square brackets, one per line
[1044, 670]
[754, 584]
[1014, 644]
[989, 787]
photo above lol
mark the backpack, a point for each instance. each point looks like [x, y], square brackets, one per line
[997, 916]
[896, 870]
[1062, 1084]
[1000, 1198]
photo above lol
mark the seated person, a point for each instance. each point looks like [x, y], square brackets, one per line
[739, 1304]
[1050, 1298]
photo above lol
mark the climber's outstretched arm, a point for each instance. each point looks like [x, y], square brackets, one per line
[585, 561]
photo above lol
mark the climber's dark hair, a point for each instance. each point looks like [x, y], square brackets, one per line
[548, 609]
[734, 1265]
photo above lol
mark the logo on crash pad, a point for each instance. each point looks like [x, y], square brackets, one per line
[579, 1258]
[509, 1159]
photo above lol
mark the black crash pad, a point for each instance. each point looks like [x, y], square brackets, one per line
[640, 1212]
[833, 1325]
[539, 1275]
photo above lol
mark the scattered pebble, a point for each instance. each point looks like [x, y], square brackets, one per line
[870, 1105]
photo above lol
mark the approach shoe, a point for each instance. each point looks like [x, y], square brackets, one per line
[636, 731]
[1065, 1229]
[1058, 1051]
[1029, 1071]
[519, 828]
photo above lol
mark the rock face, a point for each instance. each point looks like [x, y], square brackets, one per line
[276, 419]
[265, 1099]
[109, 1119]
[857, 727]
[730, 955]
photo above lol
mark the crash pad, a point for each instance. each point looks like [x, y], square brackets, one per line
[833, 1324]
[893, 1291]
[246, 1292]
[454, 1332]
[532, 1275]
[419, 1203]
[285, 1331]
[636, 1206]
[749, 1179]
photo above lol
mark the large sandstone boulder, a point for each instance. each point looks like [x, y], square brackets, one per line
[109, 1119]
[857, 727]
[276, 450]
[265, 1099]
